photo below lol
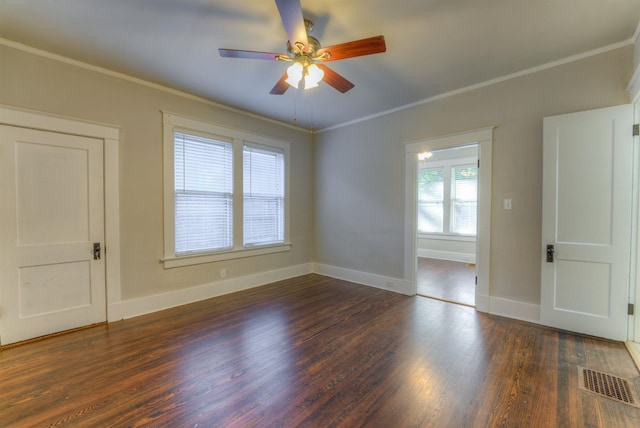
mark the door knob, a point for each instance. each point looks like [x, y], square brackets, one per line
[96, 251]
[551, 251]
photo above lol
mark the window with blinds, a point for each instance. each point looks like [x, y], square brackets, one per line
[447, 198]
[203, 170]
[464, 199]
[430, 199]
[263, 189]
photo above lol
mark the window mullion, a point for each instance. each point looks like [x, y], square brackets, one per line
[238, 204]
[446, 215]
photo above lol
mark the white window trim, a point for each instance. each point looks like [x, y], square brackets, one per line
[171, 123]
[446, 237]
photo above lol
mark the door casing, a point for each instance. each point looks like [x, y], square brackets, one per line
[484, 139]
[15, 116]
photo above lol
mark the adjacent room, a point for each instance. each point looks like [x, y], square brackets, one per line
[319, 213]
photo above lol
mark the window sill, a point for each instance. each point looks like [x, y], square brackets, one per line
[189, 260]
[447, 237]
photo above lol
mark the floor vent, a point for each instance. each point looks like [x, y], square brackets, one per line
[606, 385]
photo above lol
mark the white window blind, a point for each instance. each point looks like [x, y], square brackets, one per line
[263, 188]
[447, 197]
[464, 194]
[203, 194]
[430, 199]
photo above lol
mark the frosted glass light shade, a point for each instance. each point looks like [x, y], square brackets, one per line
[313, 76]
[294, 73]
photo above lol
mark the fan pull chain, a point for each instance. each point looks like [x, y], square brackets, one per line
[313, 104]
[295, 108]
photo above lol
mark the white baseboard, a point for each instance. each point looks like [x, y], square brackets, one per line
[483, 303]
[447, 255]
[508, 308]
[514, 309]
[494, 305]
[634, 351]
[372, 280]
[157, 302]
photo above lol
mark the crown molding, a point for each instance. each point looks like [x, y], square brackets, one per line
[136, 80]
[491, 82]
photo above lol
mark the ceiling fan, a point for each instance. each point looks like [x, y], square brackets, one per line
[306, 53]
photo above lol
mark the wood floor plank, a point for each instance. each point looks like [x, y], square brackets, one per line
[312, 351]
[447, 280]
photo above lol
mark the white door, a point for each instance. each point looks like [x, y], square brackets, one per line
[52, 213]
[586, 217]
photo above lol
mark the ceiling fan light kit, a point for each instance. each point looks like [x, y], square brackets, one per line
[307, 54]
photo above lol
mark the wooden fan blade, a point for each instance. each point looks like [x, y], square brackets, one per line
[372, 45]
[235, 53]
[281, 87]
[291, 15]
[334, 79]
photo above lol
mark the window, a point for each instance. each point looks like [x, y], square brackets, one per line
[447, 197]
[203, 170]
[263, 170]
[464, 199]
[431, 200]
[226, 193]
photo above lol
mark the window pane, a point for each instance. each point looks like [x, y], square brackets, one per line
[203, 194]
[464, 193]
[202, 164]
[203, 222]
[430, 216]
[430, 199]
[263, 220]
[263, 186]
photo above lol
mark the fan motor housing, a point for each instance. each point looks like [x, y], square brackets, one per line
[313, 47]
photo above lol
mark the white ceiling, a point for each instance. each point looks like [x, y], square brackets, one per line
[433, 46]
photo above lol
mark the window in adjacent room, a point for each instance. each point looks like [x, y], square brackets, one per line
[431, 200]
[447, 197]
[464, 199]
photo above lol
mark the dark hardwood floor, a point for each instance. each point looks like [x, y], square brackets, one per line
[312, 351]
[447, 280]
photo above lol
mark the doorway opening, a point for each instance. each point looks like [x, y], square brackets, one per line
[447, 212]
[481, 140]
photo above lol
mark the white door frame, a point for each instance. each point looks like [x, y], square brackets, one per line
[634, 292]
[484, 139]
[24, 118]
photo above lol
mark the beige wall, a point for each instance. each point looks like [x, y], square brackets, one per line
[360, 169]
[357, 193]
[47, 85]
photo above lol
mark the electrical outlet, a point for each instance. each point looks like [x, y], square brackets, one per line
[506, 204]
[223, 273]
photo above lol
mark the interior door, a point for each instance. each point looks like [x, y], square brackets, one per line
[586, 221]
[51, 217]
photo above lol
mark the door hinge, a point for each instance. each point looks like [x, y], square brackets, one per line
[476, 280]
[636, 129]
[631, 309]
[478, 163]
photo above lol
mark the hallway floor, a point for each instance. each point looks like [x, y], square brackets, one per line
[447, 280]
